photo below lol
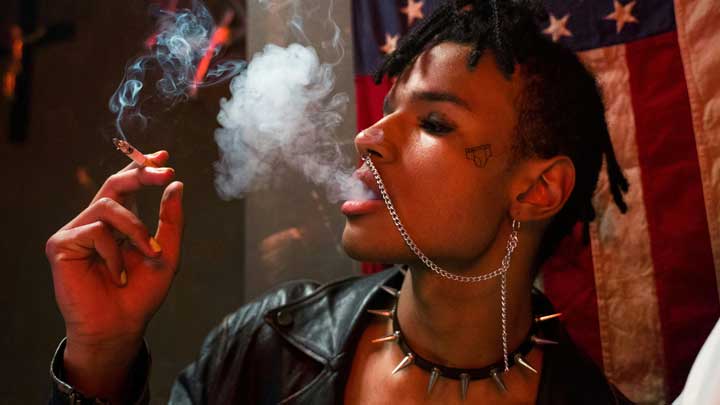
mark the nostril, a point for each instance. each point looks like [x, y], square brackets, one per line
[372, 152]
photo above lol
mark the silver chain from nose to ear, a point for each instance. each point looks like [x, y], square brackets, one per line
[504, 266]
[500, 271]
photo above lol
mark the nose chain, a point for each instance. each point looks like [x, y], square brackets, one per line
[500, 271]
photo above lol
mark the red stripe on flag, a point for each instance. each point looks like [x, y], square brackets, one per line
[369, 100]
[569, 282]
[672, 189]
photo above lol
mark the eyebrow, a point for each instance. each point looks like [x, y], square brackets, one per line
[440, 97]
[429, 96]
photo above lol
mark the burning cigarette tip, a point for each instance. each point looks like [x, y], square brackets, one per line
[123, 146]
[131, 152]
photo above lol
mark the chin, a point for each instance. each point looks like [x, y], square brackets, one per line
[373, 246]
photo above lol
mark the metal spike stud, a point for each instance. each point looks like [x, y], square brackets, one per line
[544, 318]
[519, 359]
[464, 383]
[406, 361]
[434, 375]
[404, 270]
[389, 338]
[541, 341]
[382, 312]
[391, 291]
[498, 380]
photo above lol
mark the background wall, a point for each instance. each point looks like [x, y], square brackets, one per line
[50, 177]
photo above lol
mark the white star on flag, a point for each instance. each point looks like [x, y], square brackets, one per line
[558, 28]
[413, 11]
[622, 15]
[390, 43]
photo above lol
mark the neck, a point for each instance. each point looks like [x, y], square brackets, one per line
[459, 324]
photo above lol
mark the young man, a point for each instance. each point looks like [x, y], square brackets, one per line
[489, 152]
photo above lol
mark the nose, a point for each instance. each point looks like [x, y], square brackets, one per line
[372, 141]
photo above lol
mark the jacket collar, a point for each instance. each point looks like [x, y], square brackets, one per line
[323, 323]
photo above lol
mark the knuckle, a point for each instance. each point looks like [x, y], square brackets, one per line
[51, 246]
[99, 227]
[106, 203]
[113, 179]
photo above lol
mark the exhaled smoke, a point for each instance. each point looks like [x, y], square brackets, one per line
[183, 38]
[282, 112]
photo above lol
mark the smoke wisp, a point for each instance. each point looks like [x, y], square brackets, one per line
[182, 40]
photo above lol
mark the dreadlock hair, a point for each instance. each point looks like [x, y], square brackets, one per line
[560, 109]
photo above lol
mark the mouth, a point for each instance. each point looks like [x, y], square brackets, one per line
[373, 203]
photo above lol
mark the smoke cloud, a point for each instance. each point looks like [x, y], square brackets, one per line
[282, 112]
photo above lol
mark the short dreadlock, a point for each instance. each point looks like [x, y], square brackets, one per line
[560, 110]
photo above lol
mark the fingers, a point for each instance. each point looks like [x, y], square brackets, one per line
[94, 237]
[119, 218]
[125, 182]
[158, 158]
[171, 222]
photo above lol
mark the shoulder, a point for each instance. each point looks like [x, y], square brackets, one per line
[297, 311]
[218, 368]
[569, 376]
[283, 332]
[251, 314]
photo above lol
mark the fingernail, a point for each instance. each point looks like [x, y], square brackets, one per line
[162, 170]
[123, 278]
[155, 245]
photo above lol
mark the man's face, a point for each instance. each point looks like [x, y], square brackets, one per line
[443, 151]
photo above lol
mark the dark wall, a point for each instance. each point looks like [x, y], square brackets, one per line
[69, 131]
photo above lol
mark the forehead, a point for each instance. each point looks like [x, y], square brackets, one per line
[444, 69]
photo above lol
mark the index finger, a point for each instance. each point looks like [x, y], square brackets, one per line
[121, 185]
[158, 158]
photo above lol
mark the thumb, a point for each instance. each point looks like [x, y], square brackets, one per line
[170, 224]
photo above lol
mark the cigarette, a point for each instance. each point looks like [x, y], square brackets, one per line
[134, 154]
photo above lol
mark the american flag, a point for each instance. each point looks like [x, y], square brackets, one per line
[642, 297]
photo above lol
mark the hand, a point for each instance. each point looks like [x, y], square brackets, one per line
[109, 276]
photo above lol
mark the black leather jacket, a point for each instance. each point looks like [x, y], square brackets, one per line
[295, 345]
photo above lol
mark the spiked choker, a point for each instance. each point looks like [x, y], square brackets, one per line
[464, 375]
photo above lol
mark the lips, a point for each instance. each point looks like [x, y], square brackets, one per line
[360, 207]
[364, 175]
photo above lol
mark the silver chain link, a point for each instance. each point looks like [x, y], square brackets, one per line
[500, 271]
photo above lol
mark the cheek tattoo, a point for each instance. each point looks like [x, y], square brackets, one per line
[479, 154]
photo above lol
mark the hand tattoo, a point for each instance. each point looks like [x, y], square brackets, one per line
[479, 154]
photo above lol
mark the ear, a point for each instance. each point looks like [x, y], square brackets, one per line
[542, 188]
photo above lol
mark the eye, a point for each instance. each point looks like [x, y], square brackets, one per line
[436, 124]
